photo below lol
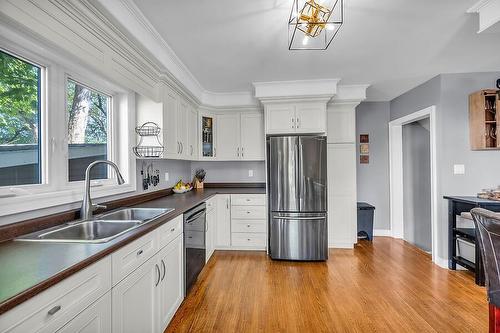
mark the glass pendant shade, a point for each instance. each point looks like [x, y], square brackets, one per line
[314, 23]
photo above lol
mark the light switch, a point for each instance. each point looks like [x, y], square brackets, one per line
[166, 177]
[459, 169]
[250, 173]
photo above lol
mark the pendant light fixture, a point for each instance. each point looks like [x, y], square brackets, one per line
[314, 23]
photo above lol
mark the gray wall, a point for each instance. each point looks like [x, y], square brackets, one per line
[417, 185]
[449, 92]
[373, 179]
[177, 170]
[236, 171]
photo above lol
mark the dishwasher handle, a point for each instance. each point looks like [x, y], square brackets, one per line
[195, 217]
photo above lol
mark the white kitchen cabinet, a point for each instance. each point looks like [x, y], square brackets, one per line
[252, 136]
[178, 121]
[341, 120]
[342, 216]
[192, 147]
[248, 221]
[135, 300]
[207, 135]
[223, 222]
[50, 310]
[310, 118]
[210, 234]
[94, 319]
[169, 124]
[299, 117]
[280, 118]
[182, 128]
[240, 136]
[171, 286]
[228, 136]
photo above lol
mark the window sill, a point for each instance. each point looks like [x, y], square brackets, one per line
[28, 203]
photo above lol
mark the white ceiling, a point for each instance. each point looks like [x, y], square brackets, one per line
[393, 45]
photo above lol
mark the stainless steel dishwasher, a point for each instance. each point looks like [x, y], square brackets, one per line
[194, 244]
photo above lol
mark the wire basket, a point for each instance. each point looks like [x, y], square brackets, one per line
[148, 151]
[148, 129]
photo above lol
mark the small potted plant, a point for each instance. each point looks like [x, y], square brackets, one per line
[199, 177]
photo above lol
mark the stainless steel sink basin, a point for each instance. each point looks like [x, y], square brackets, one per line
[94, 231]
[141, 214]
[99, 230]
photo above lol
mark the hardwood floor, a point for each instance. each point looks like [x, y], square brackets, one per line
[387, 286]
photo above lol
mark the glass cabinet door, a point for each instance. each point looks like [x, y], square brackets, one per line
[207, 136]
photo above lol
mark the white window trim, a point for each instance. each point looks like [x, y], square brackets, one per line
[56, 190]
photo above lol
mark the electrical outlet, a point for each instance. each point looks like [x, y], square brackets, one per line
[166, 177]
[459, 169]
[250, 173]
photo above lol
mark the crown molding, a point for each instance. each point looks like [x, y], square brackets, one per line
[299, 89]
[350, 94]
[489, 15]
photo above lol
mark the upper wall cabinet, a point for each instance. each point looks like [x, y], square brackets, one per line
[240, 136]
[484, 121]
[178, 120]
[207, 135]
[300, 117]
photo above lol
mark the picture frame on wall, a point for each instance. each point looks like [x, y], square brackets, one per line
[364, 159]
[364, 138]
[364, 148]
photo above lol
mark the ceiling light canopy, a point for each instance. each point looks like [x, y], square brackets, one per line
[314, 23]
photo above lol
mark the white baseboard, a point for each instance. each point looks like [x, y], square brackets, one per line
[441, 262]
[341, 245]
[382, 232]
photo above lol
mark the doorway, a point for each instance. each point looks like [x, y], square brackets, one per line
[397, 152]
[417, 184]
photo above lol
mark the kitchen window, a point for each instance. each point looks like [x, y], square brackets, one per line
[20, 119]
[54, 122]
[88, 112]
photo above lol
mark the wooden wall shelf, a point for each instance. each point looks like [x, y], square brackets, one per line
[484, 120]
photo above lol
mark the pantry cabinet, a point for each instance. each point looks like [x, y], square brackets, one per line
[240, 136]
[300, 117]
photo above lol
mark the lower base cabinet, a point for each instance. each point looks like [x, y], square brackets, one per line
[171, 286]
[147, 299]
[94, 319]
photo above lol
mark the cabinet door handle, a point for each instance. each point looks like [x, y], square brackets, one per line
[242, 155]
[53, 311]
[172, 230]
[164, 269]
[178, 147]
[293, 122]
[215, 152]
[158, 273]
[238, 151]
[227, 203]
[191, 150]
[298, 122]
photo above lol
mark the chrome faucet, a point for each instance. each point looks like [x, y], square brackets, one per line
[87, 206]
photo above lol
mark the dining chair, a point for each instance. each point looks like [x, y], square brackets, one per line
[488, 233]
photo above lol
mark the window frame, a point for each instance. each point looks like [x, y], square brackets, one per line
[111, 129]
[55, 189]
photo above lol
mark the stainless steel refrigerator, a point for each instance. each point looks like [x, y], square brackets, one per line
[297, 184]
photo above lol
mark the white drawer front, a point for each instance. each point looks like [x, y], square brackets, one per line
[56, 306]
[94, 319]
[132, 255]
[248, 212]
[169, 231]
[248, 199]
[255, 240]
[248, 225]
[210, 204]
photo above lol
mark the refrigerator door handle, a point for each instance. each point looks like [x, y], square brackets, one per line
[299, 218]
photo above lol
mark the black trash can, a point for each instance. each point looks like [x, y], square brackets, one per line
[365, 220]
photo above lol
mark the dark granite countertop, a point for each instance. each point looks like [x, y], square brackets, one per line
[27, 268]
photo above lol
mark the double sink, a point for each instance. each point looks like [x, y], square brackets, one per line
[100, 229]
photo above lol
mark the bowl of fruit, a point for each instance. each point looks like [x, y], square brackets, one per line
[182, 187]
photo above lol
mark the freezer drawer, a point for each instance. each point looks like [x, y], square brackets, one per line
[298, 236]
